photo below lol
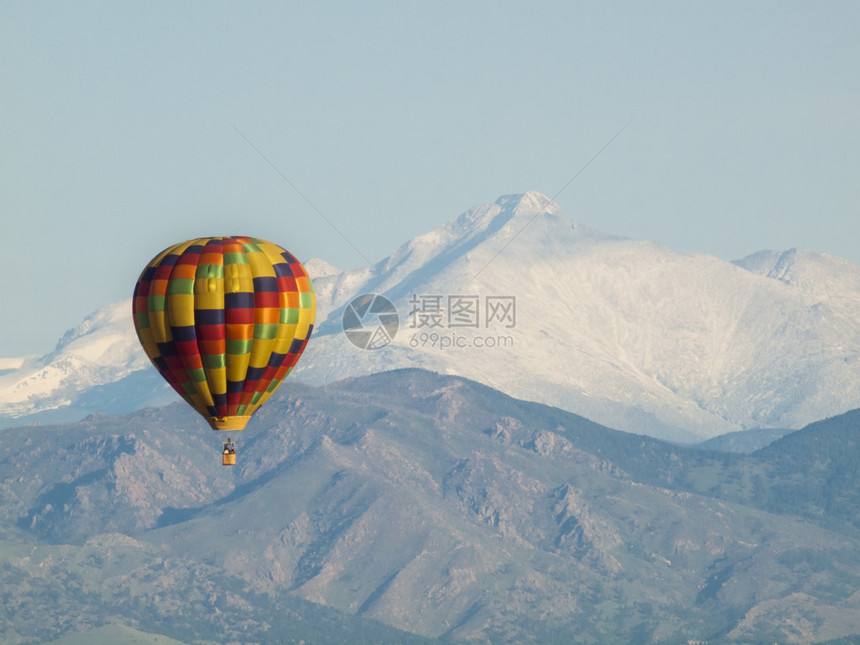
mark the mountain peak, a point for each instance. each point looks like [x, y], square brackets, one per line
[628, 333]
[113, 315]
[530, 203]
[460, 238]
[318, 268]
[824, 277]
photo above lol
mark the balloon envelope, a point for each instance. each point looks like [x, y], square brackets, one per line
[224, 320]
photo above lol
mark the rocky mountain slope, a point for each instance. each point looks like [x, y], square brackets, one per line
[437, 506]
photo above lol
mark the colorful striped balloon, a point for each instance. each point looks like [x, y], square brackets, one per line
[224, 320]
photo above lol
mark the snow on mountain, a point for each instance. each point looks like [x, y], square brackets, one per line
[103, 349]
[8, 364]
[825, 278]
[318, 268]
[628, 333]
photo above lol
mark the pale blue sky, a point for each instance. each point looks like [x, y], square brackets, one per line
[118, 130]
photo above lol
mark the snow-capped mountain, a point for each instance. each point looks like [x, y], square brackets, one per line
[82, 373]
[100, 350]
[628, 333]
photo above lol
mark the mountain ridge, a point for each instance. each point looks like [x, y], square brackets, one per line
[437, 505]
[610, 264]
[626, 332]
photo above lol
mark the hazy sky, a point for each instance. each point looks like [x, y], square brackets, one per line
[121, 130]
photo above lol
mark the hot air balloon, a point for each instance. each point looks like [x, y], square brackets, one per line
[224, 320]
